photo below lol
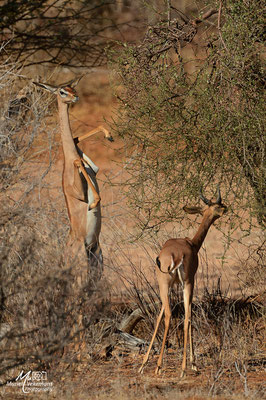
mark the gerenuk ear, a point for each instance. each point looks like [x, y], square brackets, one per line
[50, 88]
[73, 83]
[193, 210]
[76, 81]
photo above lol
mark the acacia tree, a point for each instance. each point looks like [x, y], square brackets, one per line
[192, 130]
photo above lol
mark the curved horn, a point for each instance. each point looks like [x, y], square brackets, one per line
[219, 198]
[204, 199]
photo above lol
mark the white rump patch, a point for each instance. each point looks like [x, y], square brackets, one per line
[181, 272]
[179, 268]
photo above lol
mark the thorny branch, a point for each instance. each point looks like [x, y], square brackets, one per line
[162, 37]
[49, 32]
[219, 25]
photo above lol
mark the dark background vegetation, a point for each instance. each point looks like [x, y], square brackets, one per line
[188, 78]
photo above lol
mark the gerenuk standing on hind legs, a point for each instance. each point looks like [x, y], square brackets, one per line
[79, 185]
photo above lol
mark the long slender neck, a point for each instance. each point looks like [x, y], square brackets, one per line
[69, 147]
[201, 233]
